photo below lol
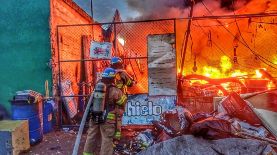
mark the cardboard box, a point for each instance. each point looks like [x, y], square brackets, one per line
[14, 137]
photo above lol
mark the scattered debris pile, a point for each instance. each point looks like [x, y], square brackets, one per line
[234, 127]
[173, 123]
[189, 144]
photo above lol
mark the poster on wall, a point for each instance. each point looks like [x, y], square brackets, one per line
[100, 50]
[162, 65]
[142, 109]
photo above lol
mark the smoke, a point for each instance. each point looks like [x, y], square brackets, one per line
[210, 39]
[155, 9]
[148, 5]
[152, 9]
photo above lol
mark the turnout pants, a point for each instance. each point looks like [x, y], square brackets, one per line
[106, 131]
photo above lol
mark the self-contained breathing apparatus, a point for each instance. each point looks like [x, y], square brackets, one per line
[98, 110]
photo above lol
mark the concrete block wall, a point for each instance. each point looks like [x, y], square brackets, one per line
[25, 47]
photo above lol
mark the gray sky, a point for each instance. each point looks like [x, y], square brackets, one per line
[104, 9]
[156, 9]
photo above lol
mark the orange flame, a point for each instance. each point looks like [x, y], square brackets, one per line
[258, 74]
[270, 85]
[237, 73]
[225, 69]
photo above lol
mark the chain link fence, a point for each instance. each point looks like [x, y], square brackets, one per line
[80, 71]
[217, 48]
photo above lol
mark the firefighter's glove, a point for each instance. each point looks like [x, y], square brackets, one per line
[117, 135]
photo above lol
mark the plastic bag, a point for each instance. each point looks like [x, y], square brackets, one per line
[145, 138]
[177, 121]
[249, 129]
[160, 126]
[212, 128]
[127, 147]
[235, 106]
[200, 116]
[162, 136]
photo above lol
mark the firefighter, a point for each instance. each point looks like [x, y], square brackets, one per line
[107, 126]
[123, 79]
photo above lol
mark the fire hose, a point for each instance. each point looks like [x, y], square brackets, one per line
[81, 128]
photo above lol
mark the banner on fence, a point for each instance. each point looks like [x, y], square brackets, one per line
[162, 65]
[100, 50]
[143, 109]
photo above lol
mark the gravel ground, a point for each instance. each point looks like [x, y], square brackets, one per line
[57, 143]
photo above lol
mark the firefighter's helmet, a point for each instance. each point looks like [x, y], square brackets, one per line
[117, 63]
[108, 73]
[116, 60]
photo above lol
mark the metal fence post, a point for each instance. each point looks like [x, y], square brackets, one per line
[115, 40]
[59, 79]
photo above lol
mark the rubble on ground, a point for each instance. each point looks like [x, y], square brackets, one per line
[189, 144]
[233, 129]
[212, 128]
[174, 122]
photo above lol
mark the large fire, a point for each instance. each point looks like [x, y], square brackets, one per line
[210, 48]
[227, 79]
[225, 70]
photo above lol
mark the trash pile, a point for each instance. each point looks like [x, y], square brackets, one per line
[140, 142]
[188, 144]
[234, 118]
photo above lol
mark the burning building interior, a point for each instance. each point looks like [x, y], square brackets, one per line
[201, 67]
[221, 50]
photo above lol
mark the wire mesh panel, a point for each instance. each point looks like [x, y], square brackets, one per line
[217, 48]
[131, 42]
[132, 37]
[128, 40]
[139, 72]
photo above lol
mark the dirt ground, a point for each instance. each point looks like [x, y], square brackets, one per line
[57, 142]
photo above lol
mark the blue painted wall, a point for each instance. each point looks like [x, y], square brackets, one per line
[24, 47]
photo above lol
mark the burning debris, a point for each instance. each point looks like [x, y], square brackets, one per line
[235, 121]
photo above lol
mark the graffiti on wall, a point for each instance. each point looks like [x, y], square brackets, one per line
[142, 109]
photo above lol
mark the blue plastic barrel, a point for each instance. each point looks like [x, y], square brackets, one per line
[22, 110]
[48, 116]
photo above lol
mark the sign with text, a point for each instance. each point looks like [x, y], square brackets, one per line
[162, 65]
[143, 109]
[100, 50]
